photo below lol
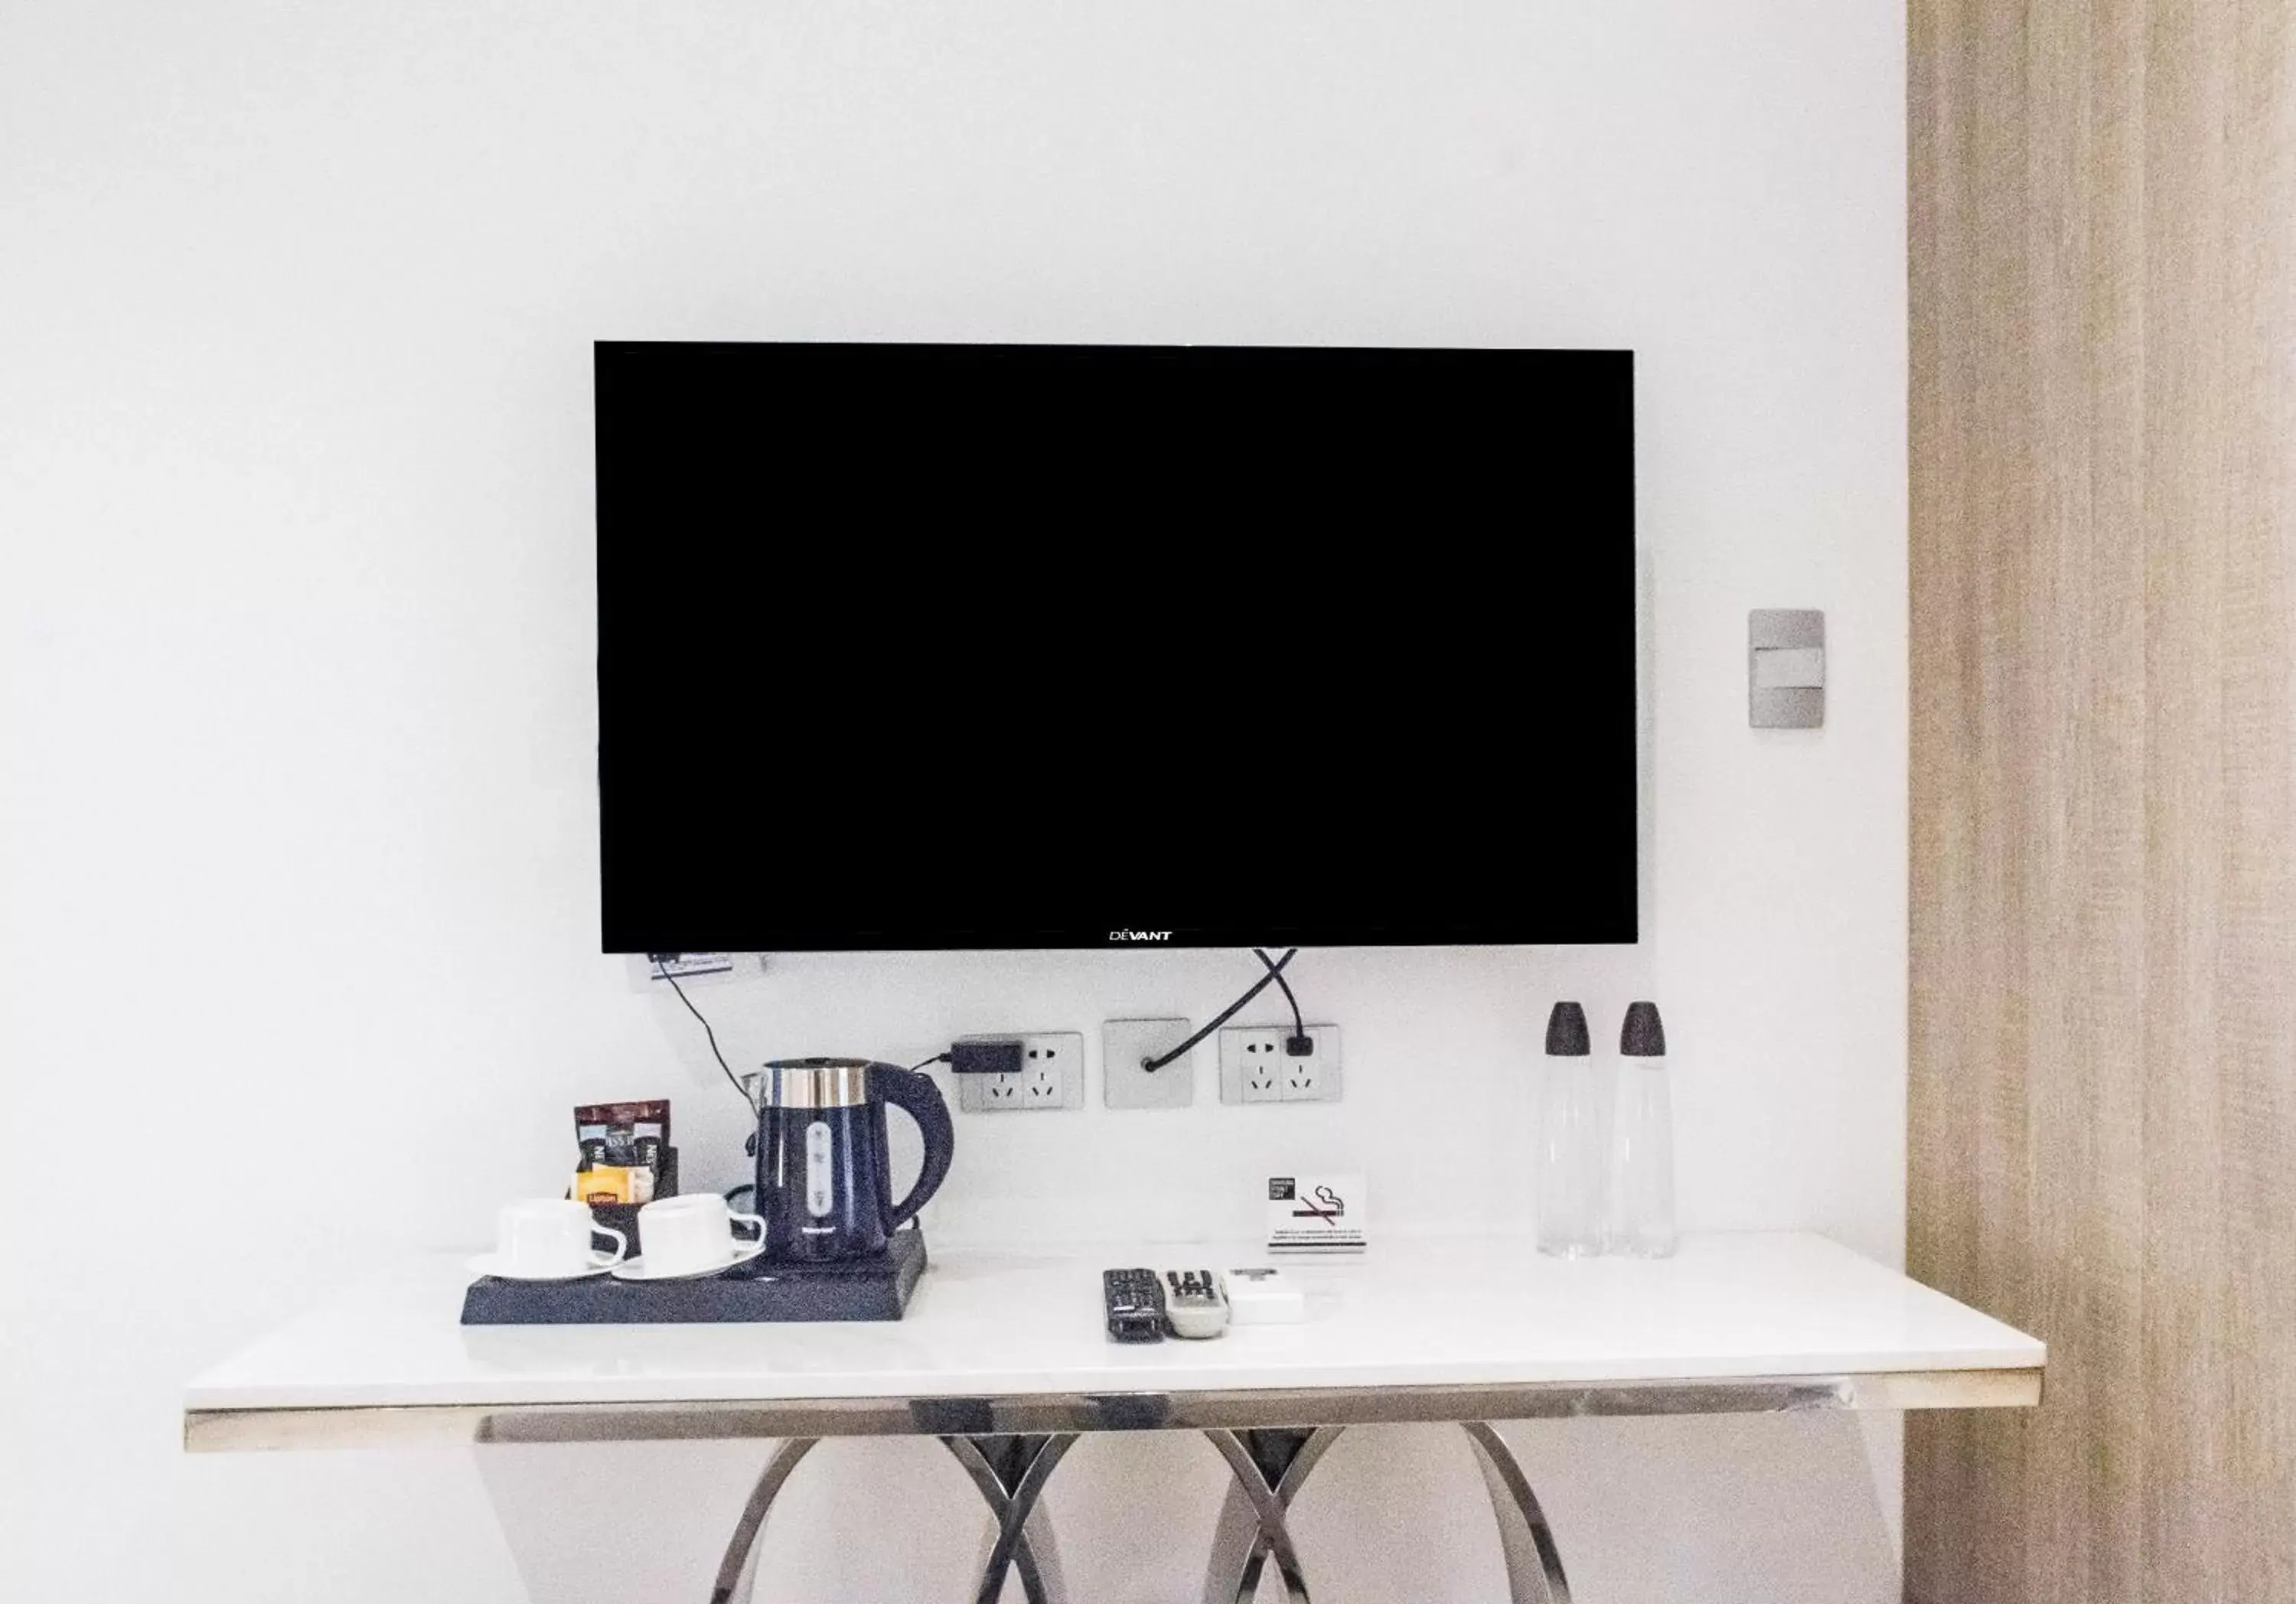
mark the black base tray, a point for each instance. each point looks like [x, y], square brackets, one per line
[876, 1287]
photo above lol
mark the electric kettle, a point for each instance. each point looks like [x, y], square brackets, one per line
[823, 1185]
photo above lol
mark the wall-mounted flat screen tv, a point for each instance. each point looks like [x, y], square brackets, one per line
[926, 646]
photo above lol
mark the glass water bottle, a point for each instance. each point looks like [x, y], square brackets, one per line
[1641, 1219]
[1574, 1138]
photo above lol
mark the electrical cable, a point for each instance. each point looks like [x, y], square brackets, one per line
[662, 966]
[1273, 975]
[1299, 1024]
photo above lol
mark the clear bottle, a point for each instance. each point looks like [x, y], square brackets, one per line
[1642, 1216]
[1574, 1138]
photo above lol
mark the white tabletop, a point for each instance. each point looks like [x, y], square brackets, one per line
[1451, 1311]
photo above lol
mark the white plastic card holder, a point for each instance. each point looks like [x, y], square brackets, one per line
[1322, 1212]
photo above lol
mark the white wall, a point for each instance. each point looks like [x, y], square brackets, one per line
[296, 821]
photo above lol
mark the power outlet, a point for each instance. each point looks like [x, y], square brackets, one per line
[1254, 1068]
[1051, 1075]
[1261, 1070]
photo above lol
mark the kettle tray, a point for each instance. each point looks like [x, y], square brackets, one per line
[876, 1287]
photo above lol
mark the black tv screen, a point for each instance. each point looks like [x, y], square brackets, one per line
[906, 646]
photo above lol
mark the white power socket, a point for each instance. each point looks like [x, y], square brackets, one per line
[1051, 1075]
[1254, 1068]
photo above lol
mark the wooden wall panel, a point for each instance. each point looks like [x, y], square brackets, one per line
[2103, 1097]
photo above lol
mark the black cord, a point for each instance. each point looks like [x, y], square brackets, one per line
[938, 1058]
[1299, 1024]
[1275, 976]
[730, 1077]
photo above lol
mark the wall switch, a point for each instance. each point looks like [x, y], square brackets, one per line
[1051, 1075]
[1255, 1068]
[1124, 1045]
[1785, 668]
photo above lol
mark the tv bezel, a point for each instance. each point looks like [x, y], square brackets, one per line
[1618, 924]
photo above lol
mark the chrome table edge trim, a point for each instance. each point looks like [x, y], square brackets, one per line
[211, 1430]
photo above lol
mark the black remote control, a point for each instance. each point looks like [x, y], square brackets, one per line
[1136, 1305]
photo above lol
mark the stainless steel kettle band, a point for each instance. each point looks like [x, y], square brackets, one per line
[809, 1083]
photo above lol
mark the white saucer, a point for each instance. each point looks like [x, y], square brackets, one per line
[637, 1270]
[484, 1265]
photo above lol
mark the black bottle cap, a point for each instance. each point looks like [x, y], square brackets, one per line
[1643, 1036]
[1566, 1032]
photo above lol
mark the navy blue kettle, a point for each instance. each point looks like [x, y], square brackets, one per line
[823, 1184]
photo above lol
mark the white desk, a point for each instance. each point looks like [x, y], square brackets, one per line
[1003, 1356]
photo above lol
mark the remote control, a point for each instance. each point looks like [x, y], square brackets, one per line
[1193, 1304]
[1136, 1305]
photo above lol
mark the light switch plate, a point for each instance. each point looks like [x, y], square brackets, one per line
[1785, 668]
[1124, 1043]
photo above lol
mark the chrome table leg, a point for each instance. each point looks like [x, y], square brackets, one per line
[1011, 1473]
[1534, 1564]
[738, 1551]
[1269, 1468]
[1001, 1468]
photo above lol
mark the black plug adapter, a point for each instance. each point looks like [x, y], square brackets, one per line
[985, 1057]
[1300, 1046]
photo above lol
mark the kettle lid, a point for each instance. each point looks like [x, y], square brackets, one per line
[810, 1083]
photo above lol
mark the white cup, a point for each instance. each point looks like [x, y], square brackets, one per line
[692, 1231]
[543, 1237]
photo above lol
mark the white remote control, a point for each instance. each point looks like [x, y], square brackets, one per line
[1193, 1304]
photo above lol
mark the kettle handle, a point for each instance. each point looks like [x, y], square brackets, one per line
[916, 1095]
